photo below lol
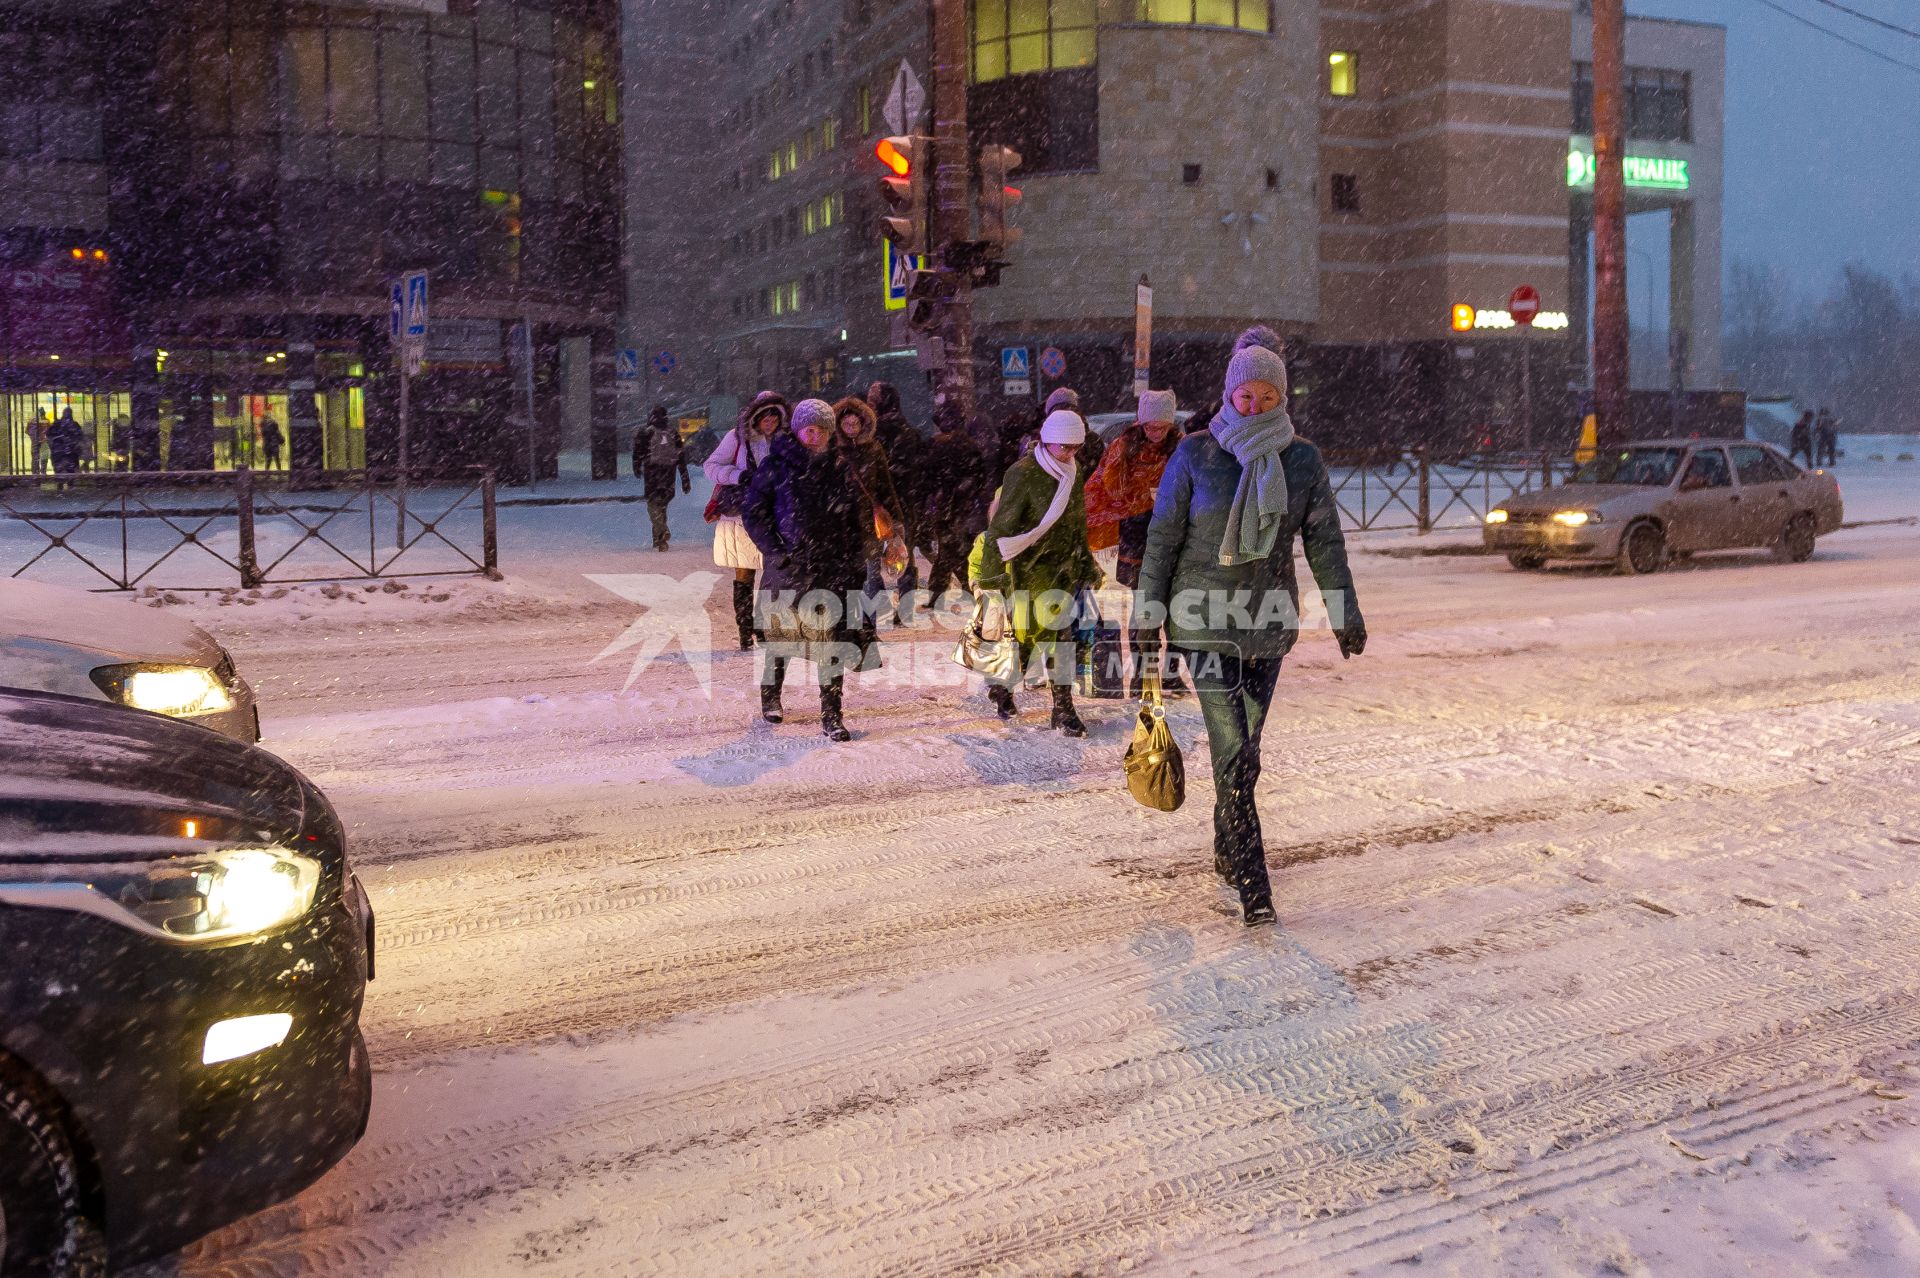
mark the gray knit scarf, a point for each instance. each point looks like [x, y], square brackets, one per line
[1260, 500]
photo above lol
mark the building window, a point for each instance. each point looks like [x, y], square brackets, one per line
[863, 110]
[1273, 179]
[1658, 105]
[1190, 174]
[1346, 193]
[1343, 79]
[1015, 37]
[829, 133]
[1247, 15]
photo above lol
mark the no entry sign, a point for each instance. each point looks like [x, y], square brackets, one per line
[1524, 304]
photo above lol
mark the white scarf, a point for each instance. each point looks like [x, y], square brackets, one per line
[1064, 474]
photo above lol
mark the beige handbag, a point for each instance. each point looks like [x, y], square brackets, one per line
[1156, 774]
[987, 646]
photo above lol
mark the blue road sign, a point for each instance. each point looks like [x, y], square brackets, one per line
[665, 362]
[416, 305]
[1052, 362]
[626, 364]
[1014, 363]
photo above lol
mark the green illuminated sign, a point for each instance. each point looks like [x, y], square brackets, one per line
[1655, 172]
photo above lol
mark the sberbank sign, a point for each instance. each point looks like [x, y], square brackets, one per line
[1658, 172]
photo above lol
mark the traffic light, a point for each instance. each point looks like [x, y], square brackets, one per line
[997, 199]
[904, 189]
[929, 290]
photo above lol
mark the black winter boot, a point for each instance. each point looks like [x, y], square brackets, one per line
[770, 686]
[743, 612]
[1256, 905]
[1065, 717]
[830, 722]
[1002, 698]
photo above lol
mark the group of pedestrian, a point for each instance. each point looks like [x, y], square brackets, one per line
[1816, 436]
[58, 444]
[838, 499]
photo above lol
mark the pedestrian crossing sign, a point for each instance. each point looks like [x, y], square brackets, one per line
[895, 268]
[1014, 363]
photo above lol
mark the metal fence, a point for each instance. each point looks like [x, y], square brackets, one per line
[1384, 490]
[213, 529]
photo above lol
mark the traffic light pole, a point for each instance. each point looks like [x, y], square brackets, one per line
[951, 208]
[1610, 338]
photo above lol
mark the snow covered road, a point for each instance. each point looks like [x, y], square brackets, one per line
[1598, 897]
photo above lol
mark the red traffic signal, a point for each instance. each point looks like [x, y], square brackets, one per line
[904, 189]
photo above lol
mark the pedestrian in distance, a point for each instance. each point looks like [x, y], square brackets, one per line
[806, 512]
[658, 458]
[904, 446]
[1826, 439]
[955, 477]
[66, 444]
[731, 466]
[37, 431]
[1800, 441]
[1232, 500]
[1035, 553]
[856, 428]
[1068, 398]
[1120, 499]
[272, 441]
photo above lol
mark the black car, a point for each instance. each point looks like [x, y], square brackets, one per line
[183, 952]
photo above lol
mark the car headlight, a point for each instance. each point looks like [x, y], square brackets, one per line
[218, 896]
[1576, 518]
[1496, 516]
[181, 691]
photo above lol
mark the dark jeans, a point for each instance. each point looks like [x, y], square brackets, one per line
[1234, 696]
[657, 509]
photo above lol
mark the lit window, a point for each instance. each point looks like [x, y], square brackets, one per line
[863, 110]
[793, 156]
[1247, 15]
[773, 166]
[829, 133]
[1015, 37]
[1342, 78]
[807, 224]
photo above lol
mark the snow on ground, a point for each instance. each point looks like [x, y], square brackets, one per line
[1598, 951]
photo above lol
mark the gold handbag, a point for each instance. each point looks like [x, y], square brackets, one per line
[1156, 774]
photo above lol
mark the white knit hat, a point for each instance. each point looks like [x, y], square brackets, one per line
[1156, 406]
[1063, 427]
[812, 412]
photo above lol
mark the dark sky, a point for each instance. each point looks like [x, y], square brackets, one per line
[1823, 141]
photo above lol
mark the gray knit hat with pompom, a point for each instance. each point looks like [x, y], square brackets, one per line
[1256, 358]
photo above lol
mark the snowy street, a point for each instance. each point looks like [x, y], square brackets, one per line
[1599, 944]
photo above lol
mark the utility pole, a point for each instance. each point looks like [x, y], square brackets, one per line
[1610, 338]
[952, 213]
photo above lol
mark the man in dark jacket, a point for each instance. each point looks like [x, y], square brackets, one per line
[66, 442]
[658, 456]
[906, 464]
[811, 522]
[953, 474]
[1219, 569]
[1826, 439]
[1800, 441]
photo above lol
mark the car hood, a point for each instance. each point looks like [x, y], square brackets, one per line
[113, 627]
[1584, 497]
[85, 780]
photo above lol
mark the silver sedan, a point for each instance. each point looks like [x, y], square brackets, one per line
[1642, 505]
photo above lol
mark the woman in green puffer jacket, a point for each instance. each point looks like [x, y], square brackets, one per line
[1035, 552]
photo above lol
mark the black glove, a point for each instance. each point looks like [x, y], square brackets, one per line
[1352, 637]
[685, 487]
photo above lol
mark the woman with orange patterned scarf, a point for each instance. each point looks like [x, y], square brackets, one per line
[1120, 497]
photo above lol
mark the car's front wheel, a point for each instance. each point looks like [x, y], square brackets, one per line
[1796, 541]
[44, 1226]
[1526, 560]
[1643, 549]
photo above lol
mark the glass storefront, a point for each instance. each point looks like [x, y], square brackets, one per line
[249, 429]
[30, 417]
